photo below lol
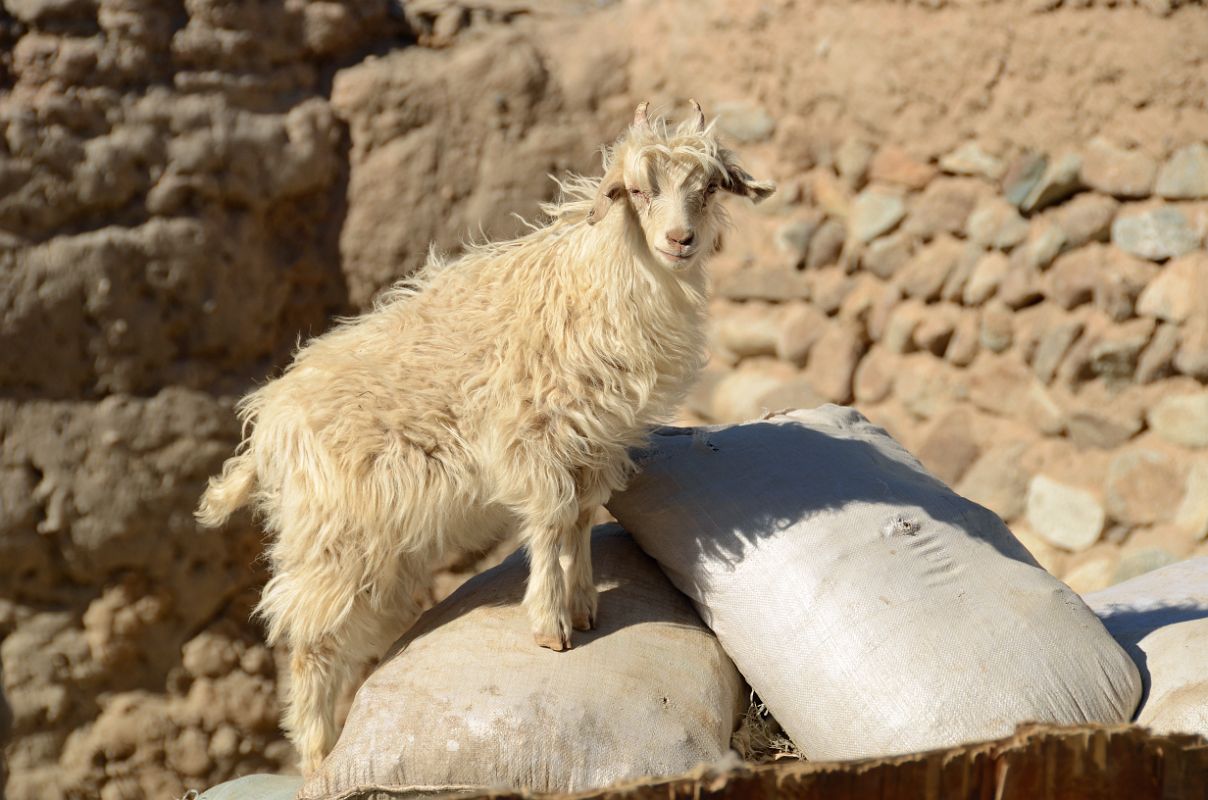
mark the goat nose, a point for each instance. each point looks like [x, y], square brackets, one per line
[680, 236]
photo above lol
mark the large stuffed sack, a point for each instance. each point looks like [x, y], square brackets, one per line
[874, 610]
[467, 699]
[1161, 619]
[255, 787]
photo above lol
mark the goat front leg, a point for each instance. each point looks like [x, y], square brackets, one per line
[545, 595]
[580, 585]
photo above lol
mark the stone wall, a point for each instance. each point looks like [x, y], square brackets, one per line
[1034, 328]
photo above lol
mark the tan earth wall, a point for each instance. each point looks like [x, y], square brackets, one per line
[989, 236]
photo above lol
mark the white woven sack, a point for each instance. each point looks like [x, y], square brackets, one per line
[1161, 620]
[874, 610]
[469, 700]
[255, 787]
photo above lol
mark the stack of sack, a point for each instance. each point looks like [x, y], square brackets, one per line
[1161, 620]
[873, 610]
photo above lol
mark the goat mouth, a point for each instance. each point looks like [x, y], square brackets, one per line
[684, 256]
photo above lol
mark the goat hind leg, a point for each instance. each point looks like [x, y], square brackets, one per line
[580, 585]
[318, 673]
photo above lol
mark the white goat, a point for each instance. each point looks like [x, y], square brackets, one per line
[504, 388]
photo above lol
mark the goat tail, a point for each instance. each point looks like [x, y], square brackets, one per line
[227, 492]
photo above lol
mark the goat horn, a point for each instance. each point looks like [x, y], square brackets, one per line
[639, 116]
[700, 115]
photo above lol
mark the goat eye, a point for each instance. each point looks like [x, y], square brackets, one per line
[712, 188]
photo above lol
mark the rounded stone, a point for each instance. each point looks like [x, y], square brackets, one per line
[1157, 234]
[1143, 487]
[1116, 171]
[1185, 175]
[995, 223]
[1141, 561]
[1182, 419]
[970, 159]
[874, 212]
[1066, 516]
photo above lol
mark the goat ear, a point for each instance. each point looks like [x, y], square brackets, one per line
[742, 184]
[612, 186]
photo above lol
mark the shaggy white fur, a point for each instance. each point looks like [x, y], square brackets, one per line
[505, 388]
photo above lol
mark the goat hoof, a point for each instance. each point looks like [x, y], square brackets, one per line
[552, 641]
[583, 606]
